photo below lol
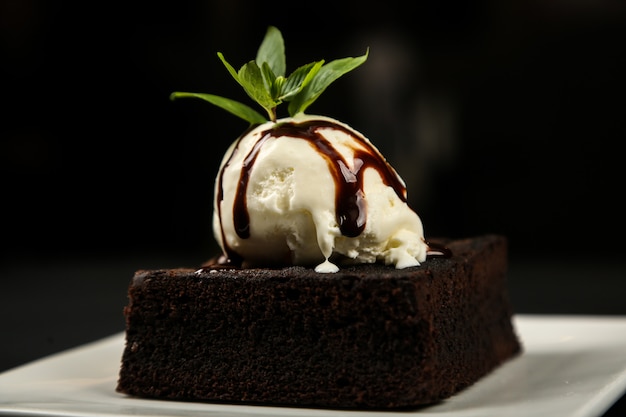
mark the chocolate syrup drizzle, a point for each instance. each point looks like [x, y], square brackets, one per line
[351, 210]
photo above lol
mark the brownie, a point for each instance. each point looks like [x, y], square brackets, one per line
[367, 337]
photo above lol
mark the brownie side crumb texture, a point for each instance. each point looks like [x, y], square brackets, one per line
[367, 337]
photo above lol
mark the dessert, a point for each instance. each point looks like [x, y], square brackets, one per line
[367, 337]
[326, 293]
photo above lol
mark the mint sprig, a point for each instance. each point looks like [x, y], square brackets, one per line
[264, 80]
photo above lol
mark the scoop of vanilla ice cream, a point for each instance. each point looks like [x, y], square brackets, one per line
[308, 190]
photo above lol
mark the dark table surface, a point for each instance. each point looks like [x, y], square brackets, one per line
[48, 305]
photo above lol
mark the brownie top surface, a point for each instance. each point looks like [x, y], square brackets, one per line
[463, 250]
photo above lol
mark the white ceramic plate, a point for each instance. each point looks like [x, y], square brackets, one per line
[571, 366]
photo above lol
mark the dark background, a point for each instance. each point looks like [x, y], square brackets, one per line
[502, 117]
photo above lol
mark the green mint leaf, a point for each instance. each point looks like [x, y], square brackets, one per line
[270, 80]
[272, 52]
[251, 79]
[324, 77]
[299, 79]
[229, 67]
[232, 106]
